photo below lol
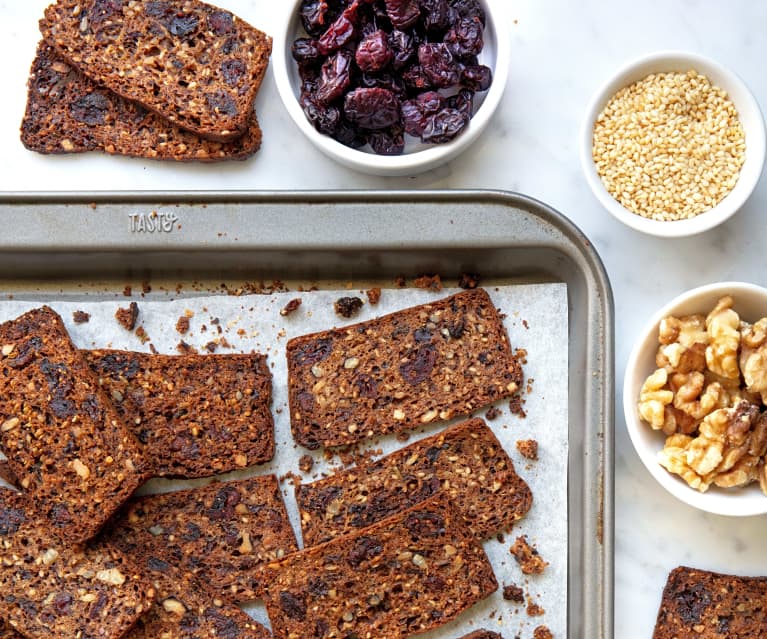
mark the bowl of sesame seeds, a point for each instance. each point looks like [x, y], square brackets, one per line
[673, 144]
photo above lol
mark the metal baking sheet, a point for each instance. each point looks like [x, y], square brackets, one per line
[91, 245]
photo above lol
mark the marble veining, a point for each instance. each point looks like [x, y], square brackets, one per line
[561, 51]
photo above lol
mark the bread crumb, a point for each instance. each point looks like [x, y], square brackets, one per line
[182, 325]
[306, 463]
[374, 295]
[127, 317]
[528, 448]
[81, 317]
[291, 307]
[527, 557]
[533, 609]
[347, 306]
[492, 413]
[185, 349]
[430, 282]
[542, 632]
[468, 281]
[513, 593]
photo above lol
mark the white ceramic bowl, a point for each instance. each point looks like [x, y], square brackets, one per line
[750, 118]
[418, 157]
[751, 305]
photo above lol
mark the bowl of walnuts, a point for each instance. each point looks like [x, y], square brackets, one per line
[392, 87]
[695, 398]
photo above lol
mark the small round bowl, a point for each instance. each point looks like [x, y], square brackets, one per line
[417, 157]
[750, 118]
[751, 305]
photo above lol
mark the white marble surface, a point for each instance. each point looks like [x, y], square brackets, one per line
[561, 51]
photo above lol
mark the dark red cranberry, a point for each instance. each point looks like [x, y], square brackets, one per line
[372, 108]
[438, 64]
[403, 47]
[221, 22]
[465, 38]
[477, 78]
[444, 126]
[233, 70]
[306, 51]
[389, 141]
[335, 77]
[373, 52]
[403, 13]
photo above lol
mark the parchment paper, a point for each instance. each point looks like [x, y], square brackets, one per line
[536, 320]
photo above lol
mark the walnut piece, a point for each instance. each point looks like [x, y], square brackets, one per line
[683, 343]
[653, 398]
[753, 357]
[723, 325]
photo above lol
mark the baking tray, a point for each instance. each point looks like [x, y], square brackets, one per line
[91, 244]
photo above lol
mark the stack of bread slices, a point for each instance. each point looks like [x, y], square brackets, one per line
[161, 79]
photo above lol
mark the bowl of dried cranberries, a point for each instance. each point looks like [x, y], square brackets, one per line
[392, 87]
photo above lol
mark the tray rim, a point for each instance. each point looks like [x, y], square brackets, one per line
[557, 232]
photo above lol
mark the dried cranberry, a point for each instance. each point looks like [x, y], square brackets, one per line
[326, 119]
[364, 549]
[293, 606]
[416, 79]
[223, 627]
[90, 109]
[444, 126]
[438, 64]
[340, 32]
[465, 38]
[403, 13]
[10, 521]
[233, 71]
[305, 51]
[373, 52]
[316, 15]
[335, 77]
[348, 134]
[157, 565]
[416, 111]
[419, 364]
[221, 22]
[403, 47]
[182, 25]
[436, 18]
[389, 141]
[372, 108]
[103, 11]
[477, 78]
[384, 81]
[468, 9]
[366, 386]
[313, 352]
[221, 103]
[425, 524]
[463, 101]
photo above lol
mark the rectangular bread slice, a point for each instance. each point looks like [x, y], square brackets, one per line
[196, 65]
[698, 604]
[222, 533]
[183, 609]
[399, 577]
[50, 590]
[466, 461]
[65, 443]
[400, 371]
[195, 415]
[68, 113]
